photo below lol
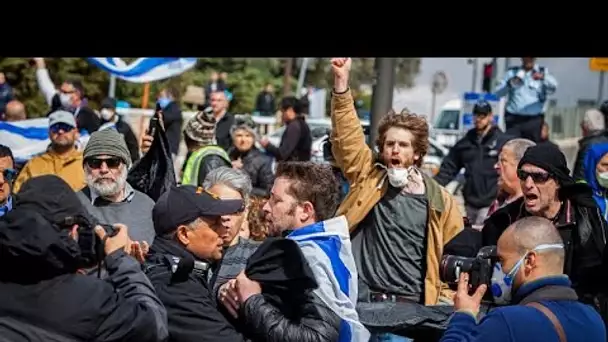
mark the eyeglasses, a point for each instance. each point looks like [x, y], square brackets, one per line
[61, 127]
[537, 177]
[9, 174]
[95, 163]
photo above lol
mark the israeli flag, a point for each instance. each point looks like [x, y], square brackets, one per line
[29, 138]
[326, 245]
[144, 69]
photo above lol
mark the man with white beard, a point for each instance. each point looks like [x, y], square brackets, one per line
[108, 197]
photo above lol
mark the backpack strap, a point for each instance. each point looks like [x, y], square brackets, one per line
[559, 329]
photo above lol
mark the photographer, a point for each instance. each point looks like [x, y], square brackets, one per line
[46, 240]
[529, 276]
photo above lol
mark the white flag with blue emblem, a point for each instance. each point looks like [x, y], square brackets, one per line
[144, 69]
[327, 248]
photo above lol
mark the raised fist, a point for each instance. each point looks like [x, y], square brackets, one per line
[341, 67]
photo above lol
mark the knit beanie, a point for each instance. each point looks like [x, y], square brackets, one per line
[244, 122]
[201, 128]
[549, 158]
[108, 142]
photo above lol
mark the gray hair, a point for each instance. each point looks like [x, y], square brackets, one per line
[533, 231]
[233, 178]
[594, 120]
[519, 147]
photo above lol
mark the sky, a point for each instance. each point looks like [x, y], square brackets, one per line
[575, 80]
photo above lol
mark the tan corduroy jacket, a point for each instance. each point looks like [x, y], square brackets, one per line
[368, 185]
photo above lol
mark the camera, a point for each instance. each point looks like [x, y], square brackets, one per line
[479, 268]
[91, 247]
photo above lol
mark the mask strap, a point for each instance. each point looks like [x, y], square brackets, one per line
[547, 246]
[535, 249]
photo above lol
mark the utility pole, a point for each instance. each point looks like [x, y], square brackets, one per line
[112, 90]
[287, 76]
[302, 76]
[475, 64]
[382, 97]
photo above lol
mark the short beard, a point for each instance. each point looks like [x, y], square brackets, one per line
[108, 190]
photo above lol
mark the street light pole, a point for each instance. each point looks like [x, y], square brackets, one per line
[382, 97]
[474, 63]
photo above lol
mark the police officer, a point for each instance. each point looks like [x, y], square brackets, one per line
[477, 152]
[526, 87]
[186, 219]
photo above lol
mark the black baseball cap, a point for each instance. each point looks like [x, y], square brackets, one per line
[109, 103]
[482, 108]
[184, 204]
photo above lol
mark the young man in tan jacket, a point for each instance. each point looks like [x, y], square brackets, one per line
[400, 219]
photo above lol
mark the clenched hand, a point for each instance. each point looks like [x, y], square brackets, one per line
[341, 70]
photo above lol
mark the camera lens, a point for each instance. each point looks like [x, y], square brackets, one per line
[451, 266]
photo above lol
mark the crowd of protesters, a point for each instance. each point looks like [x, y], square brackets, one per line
[233, 249]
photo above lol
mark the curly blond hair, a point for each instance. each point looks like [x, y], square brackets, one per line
[414, 123]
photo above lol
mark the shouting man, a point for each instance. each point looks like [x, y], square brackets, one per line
[391, 200]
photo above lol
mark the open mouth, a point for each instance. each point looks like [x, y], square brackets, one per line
[395, 162]
[531, 198]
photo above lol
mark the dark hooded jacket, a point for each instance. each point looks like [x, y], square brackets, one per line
[43, 297]
[579, 167]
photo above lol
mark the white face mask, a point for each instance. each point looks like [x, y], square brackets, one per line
[66, 100]
[602, 179]
[502, 283]
[106, 114]
[398, 177]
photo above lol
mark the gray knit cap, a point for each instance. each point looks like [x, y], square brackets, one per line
[109, 142]
[201, 128]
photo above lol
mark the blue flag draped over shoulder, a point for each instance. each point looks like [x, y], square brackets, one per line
[327, 248]
[144, 69]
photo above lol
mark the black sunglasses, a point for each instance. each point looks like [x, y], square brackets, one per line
[9, 174]
[95, 163]
[61, 126]
[537, 177]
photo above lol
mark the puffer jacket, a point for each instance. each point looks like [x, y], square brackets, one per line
[259, 168]
[316, 322]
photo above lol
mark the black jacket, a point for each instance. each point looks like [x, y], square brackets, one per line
[259, 168]
[222, 131]
[172, 118]
[478, 158]
[130, 139]
[265, 103]
[185, 293]
[315, 323]
[581, 226]
[43, 298]
[578, 173]
[296, 142]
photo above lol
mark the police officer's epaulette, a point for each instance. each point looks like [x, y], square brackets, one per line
[181, 268]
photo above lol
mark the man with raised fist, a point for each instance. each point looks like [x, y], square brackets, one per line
[400, 219]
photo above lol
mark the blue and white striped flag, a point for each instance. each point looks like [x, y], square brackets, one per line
[144, 69]
[326, 245]
[29, 138]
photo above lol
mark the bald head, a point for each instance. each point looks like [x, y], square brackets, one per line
[15, 111]
[530, 232]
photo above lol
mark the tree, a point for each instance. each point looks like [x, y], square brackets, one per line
[246, 78]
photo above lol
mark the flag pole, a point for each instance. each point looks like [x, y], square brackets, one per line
[144, 105]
